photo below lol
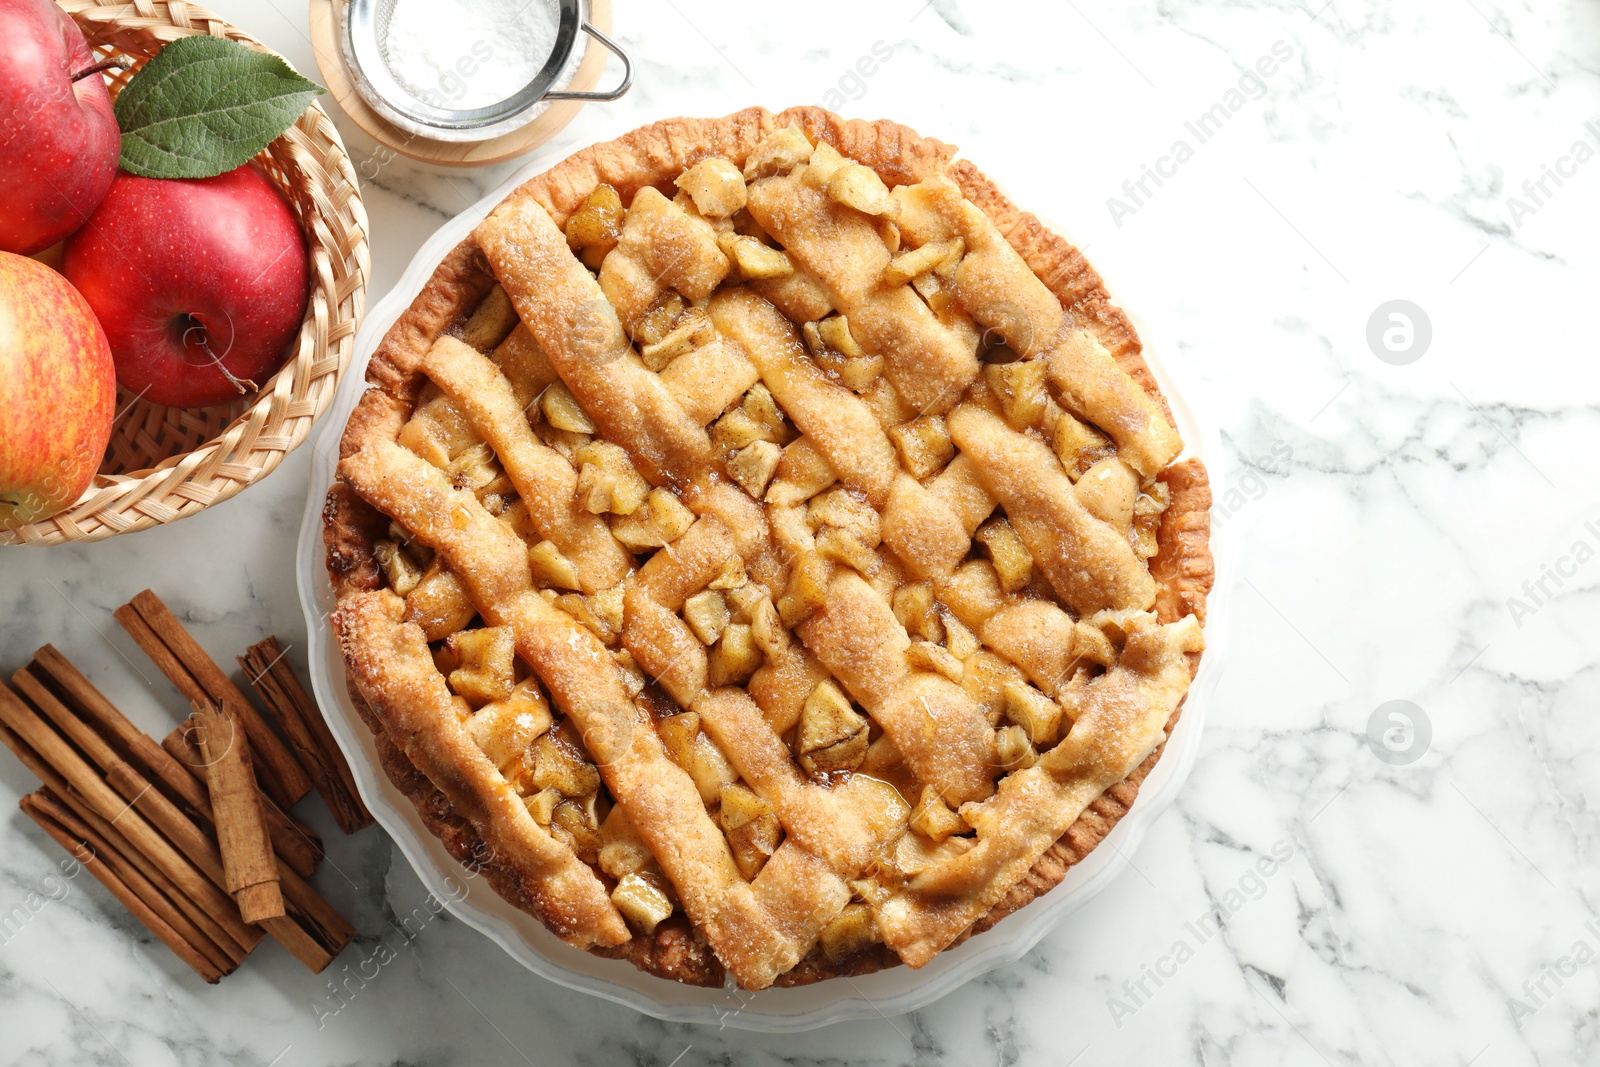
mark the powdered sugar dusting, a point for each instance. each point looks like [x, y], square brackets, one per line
[468, 53]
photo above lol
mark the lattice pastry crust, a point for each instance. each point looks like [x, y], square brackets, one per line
[763, 551]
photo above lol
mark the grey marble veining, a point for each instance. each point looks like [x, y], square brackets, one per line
[1427, 532]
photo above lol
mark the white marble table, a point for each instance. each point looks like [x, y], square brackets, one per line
[1417, 532]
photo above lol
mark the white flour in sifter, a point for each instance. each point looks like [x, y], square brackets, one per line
[468, 53]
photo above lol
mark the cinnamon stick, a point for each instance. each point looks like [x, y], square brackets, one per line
[296, 843]
[114, 871]
[312, 930]
[248, 863]
[40, 748]
[179, 656]
[181, 779]
[139, 897]
[209, 926]
[296, 714]
[178, 828]
[75, 801]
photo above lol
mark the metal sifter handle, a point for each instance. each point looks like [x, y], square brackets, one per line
[612, 94]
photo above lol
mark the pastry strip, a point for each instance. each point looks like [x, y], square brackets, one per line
[391, 662]
[928, 364]
[833, 419]
[662, 247]
[659, 640]
[545, 481]
[1091, 383]
[940, 732]
[708, 379]
[802, 886]
[1120, 719]
[992, 282]
[1089, 565]
[659, 797]
[575, 325]
[569, 316]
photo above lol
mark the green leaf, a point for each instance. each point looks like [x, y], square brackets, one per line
[205, 105]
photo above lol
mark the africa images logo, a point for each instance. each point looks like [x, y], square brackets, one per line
[1536, 192]
[1554, 575]
[1248, 888]
[1251, 86]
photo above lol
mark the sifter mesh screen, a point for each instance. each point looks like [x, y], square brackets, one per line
[470, 32]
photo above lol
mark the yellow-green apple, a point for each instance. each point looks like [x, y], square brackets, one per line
[58, 139]
[200, 283]
[57, 391]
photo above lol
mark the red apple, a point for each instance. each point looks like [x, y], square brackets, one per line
[200, 283]
[57, 392]
[58, 140]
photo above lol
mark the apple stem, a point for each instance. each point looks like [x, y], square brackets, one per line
[203, 340]
[113, 63]
[240, 385]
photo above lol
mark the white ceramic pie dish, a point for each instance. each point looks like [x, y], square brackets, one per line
[524, 937]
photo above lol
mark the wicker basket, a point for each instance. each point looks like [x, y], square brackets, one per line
[164, 463]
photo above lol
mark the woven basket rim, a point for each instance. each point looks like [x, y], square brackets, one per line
[283, 412]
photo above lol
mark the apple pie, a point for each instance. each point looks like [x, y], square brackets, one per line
[762, 551]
